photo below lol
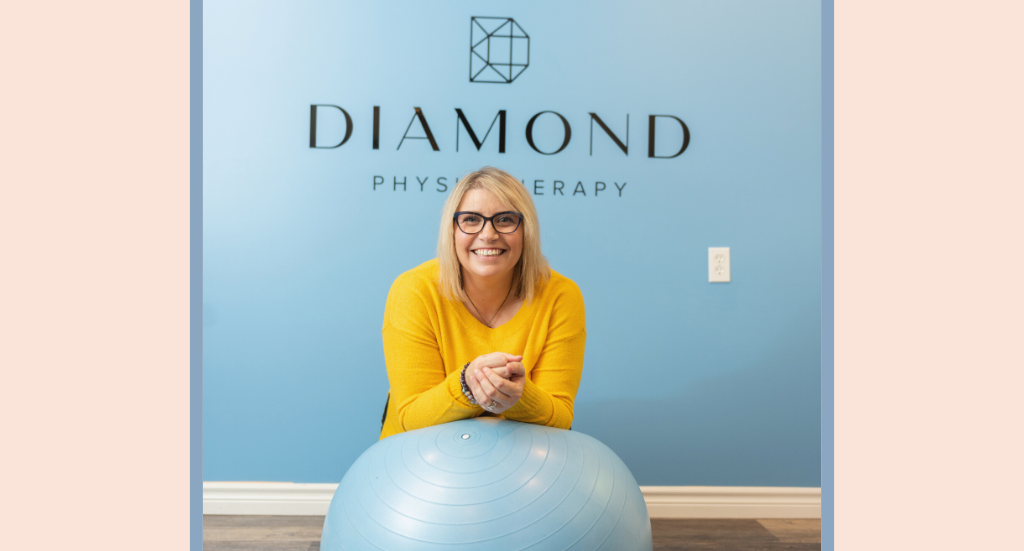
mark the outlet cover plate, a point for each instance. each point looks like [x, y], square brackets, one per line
[719, 265]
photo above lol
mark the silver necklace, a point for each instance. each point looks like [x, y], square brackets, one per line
[488, 324]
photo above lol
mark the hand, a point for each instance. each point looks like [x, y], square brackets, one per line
[496, 387]
[492, 360]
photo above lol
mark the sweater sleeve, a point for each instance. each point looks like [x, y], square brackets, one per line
[422, 394]
[551, 386]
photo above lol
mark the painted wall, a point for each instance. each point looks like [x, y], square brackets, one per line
[690, 382]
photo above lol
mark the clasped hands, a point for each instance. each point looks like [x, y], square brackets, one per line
[496, 380]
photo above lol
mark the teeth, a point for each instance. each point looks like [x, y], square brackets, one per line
[488, 252]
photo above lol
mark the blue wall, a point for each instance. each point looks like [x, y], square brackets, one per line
[691, 383]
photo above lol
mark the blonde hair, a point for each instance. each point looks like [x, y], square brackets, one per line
[530, 272]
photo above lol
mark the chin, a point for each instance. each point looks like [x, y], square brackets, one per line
[489, 271]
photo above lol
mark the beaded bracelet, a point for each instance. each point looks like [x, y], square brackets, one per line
[465, 388]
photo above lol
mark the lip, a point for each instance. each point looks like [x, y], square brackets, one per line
[479, 257]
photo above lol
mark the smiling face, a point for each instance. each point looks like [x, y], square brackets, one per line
[487, 254]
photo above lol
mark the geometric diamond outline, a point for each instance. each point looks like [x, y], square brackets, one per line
[488, 61]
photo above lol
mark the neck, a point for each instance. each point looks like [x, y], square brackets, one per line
[487, 293]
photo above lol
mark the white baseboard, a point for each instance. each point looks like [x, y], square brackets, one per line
[287, 498]
[731, 502]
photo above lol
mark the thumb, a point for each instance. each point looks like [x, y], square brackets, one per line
[516, 368]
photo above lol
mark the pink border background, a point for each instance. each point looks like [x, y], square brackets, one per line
[94, 242]
[94, 230]
[929, 272]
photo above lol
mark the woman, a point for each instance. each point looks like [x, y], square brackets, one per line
[486, 328]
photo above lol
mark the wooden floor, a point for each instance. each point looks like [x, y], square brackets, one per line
[271, 533]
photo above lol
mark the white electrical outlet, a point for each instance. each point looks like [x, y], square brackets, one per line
[719, 266]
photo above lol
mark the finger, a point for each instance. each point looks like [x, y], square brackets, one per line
[478, 392]
[497, 381]
[513, 372]
[491, 392]
[487, 402]
[488, 386]
[515, 369]
[511, 357]
[496, 359]
[482, 398]
[501, 372]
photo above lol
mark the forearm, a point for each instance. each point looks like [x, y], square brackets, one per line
[551, 386]
[540, 407]
[442, 403]
[422, 394]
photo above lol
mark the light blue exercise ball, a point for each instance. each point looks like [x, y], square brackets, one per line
[488, 484]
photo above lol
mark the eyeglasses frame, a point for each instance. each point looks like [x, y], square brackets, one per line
[488, 219]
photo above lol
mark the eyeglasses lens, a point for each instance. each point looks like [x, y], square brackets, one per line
[506, 223]
[470, 223]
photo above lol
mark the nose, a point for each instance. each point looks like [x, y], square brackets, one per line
[488, 233]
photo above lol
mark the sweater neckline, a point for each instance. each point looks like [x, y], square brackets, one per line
[471, 320]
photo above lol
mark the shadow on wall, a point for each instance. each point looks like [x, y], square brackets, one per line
[756, 427]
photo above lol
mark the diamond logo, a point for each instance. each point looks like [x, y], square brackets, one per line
[499, 49]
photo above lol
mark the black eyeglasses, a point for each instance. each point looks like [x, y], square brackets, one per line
[474, 222]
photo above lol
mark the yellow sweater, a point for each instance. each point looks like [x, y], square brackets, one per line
[427, 340]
